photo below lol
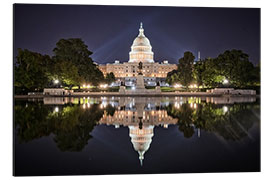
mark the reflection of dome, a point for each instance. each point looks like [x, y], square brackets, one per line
[141, 139]
[141, 49]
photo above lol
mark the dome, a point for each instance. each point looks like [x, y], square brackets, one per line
[141, 41]
[141, 49]
[141, 139]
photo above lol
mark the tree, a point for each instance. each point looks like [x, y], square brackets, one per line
[211, 75]
[198, 69]
[185, 68]
[236, 67]
[110, 78]
[31, 71]
[75, 52]
[172, 77]
[232, 65]
[66, 72]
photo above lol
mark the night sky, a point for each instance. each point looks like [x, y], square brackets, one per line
[109, 31]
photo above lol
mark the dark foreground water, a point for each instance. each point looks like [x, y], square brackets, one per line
[127, 135]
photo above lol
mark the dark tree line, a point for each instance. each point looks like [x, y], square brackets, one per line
[233, 66]
[71, 64]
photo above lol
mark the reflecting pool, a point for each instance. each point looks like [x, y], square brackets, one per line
[134, 135]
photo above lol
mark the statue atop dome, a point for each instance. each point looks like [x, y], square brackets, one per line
[141, 30]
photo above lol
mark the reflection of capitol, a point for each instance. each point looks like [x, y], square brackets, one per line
[162, 101]
[141, 115]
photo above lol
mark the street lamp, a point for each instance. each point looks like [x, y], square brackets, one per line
[225, 81]
[56, 81]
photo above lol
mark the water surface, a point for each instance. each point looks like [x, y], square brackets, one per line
[131, 135]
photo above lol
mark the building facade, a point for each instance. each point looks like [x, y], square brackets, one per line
[141, 51]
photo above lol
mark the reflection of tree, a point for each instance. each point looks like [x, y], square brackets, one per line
[75, 136]
[184, 116]
[31, 120]
[110, 110]
[232, 124]
[71, 125]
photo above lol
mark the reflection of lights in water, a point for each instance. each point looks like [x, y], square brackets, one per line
[225, 109]
[191, 105]
[112, 104]
[176, 105]
[133, 88]
[88, 105]
[103, 104]
[84, 106]
[195, 105]
[56, 109]
[103, 98]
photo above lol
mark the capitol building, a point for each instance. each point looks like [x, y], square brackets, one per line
[141, 51]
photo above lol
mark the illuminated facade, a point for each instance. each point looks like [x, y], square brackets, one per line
[141, 51]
